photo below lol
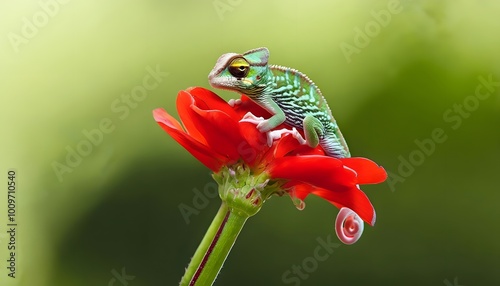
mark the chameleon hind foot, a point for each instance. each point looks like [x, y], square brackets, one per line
[277, 134]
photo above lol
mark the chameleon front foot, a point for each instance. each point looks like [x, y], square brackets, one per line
[234, 102]
[250, 118]
[261, 123]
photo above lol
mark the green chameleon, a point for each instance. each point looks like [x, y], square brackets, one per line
[289, 95]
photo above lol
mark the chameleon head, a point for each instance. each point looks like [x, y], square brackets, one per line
[245, 73]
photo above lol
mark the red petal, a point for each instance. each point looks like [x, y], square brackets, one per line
[257, 143]
[220, 131]
[247, 105]
[354, 198]
[207, 100]
[288, 145]
[285, 145]
[368, 171]
[203, 99]
[184, 102]
[200, 151]
[320, 171]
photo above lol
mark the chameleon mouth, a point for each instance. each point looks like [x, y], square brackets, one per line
[223, 83]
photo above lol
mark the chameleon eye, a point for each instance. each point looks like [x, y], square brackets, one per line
[239, 68]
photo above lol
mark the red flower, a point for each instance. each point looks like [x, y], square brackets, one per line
[213, 134]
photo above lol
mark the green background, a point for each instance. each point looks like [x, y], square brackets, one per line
[119, 206]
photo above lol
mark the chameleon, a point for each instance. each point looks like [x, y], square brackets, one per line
[287, 94]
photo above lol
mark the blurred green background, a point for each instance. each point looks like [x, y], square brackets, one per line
[68, 66]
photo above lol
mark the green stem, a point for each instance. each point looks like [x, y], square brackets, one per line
[214, 248]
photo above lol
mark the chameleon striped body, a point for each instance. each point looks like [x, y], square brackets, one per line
[286, 93]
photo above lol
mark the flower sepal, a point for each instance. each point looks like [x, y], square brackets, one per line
[243, 190]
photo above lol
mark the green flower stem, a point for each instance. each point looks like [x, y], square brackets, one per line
[243, 192]
[214, 248]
